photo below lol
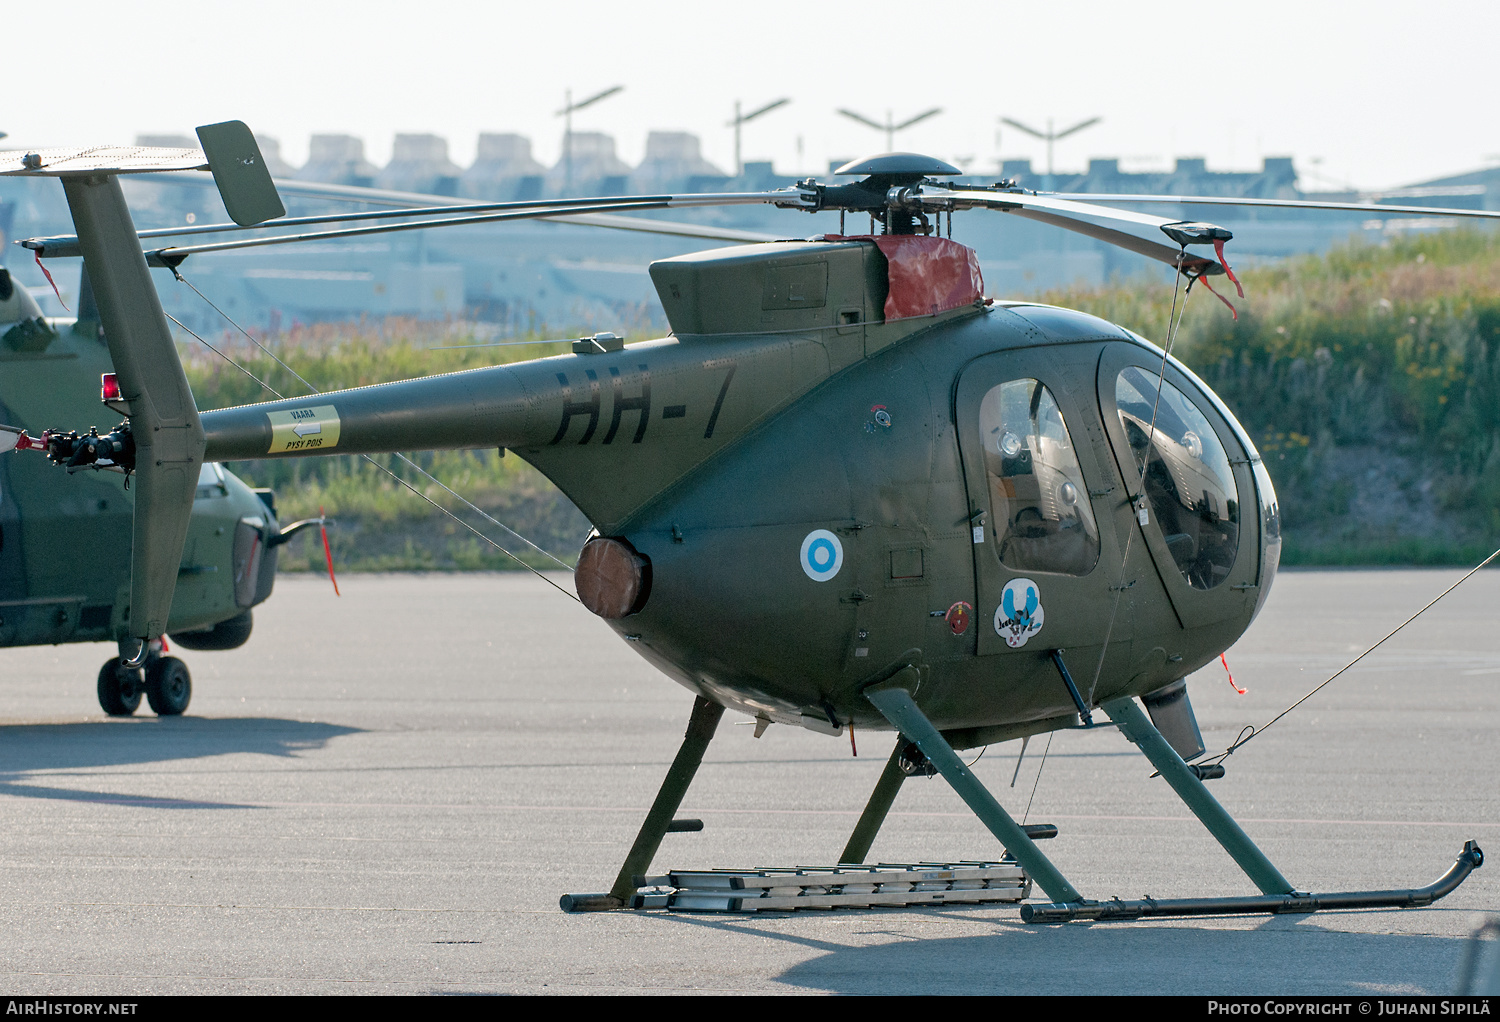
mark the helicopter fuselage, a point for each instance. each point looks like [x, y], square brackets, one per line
[804, 507]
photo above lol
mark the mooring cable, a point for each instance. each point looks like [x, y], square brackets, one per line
[1244, 738]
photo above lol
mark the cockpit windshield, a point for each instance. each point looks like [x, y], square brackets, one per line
[1188, 481]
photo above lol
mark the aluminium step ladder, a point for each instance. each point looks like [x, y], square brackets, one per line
[894, 885]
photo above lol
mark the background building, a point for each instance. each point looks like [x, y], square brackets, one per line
[536, 275]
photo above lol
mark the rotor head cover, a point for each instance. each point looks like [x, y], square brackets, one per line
[902, 165]
[613, 580]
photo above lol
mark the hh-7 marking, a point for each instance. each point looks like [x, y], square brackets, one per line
[641, 404]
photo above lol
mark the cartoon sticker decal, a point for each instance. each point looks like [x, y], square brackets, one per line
[822, 555]
[1019, 615]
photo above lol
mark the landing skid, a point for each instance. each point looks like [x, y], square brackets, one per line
[826, 887]
[1470, 859]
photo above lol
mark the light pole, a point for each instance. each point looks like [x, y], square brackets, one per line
[1049, 136]
[739, 119]
[890, 127]
[566, 113]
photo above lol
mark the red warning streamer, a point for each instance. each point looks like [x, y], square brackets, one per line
[1232, 685]
[51, 281]
[1219, 251]
[328, 553]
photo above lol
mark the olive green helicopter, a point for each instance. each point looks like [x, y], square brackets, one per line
[847, 491]
[65, 539]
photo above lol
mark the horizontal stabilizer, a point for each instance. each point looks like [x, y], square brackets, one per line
[101, 159]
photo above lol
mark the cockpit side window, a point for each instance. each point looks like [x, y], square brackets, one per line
[1039, 507]
[1188, 479]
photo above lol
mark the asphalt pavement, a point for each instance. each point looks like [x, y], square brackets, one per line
[387, 792]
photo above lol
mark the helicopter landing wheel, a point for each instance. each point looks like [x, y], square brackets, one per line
[169, 687]
[119, 688]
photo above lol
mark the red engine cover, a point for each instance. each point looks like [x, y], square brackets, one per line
[927, 275]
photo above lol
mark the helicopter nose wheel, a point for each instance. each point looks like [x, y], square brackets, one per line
[169, 687]
[119, 688]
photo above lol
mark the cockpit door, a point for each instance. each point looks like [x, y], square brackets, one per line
[1043, 496]
[1189, 480]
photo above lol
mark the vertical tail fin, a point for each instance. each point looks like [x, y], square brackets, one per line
[163, 418]
[164, 424]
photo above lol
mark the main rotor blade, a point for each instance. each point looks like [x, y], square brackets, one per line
[1127, 229]
[591, 212]
[438, 203]
[861, 118]
[176, 253]
[173, 252]
[1215, 200]
[61, 240]
[920, 117]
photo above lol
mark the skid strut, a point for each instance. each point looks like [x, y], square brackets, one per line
[660, 819]
[1007, 880]
[881, 800]
[895, 703]
[893, 698]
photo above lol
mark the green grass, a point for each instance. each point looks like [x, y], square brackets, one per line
[1415, 552]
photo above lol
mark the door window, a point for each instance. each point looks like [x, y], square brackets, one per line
[1039, 507]
[1188, 481]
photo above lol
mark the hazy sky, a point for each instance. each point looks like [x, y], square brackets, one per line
[1373, 93]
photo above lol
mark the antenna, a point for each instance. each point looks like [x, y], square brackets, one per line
[739, 119]
[566, 113]
[890, 127]
[1049, 136]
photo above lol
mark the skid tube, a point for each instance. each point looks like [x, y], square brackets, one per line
[1470, 859]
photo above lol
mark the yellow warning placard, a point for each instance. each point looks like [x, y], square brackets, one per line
[304, 429]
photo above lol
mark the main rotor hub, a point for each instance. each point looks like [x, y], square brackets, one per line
[887, 190]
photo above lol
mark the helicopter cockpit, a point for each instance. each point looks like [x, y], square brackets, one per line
[1188, 480]
[1039, 506]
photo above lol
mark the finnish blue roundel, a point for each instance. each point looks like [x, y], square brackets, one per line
[822, 555]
